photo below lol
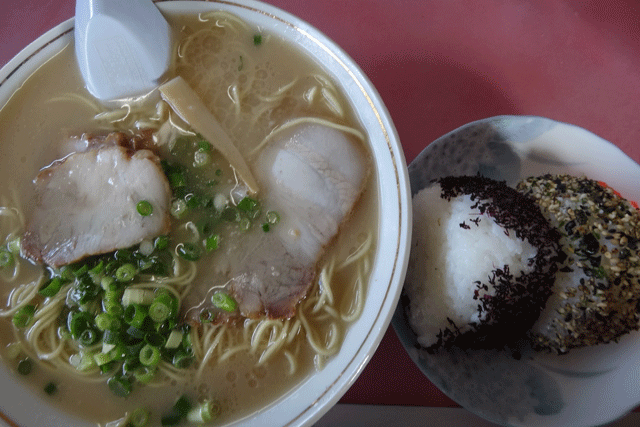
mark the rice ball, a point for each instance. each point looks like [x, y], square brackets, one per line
[482, 263]
[596, 295]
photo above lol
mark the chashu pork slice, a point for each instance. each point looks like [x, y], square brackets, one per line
[86, 204]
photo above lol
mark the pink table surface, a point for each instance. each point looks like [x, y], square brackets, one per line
[440, 64]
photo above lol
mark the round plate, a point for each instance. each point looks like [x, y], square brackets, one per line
[586, 387]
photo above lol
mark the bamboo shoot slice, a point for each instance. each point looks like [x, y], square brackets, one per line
[188, 105]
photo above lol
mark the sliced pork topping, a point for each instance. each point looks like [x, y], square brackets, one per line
[312, 176]
[86, 203]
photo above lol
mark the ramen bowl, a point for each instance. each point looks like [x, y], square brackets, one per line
[309, 397]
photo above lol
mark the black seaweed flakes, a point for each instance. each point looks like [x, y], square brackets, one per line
[518, 299]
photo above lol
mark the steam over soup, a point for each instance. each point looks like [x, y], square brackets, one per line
[143, 271]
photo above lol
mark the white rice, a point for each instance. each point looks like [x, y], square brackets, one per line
[448, 259]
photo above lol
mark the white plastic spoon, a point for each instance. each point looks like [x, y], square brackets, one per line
[123, 47]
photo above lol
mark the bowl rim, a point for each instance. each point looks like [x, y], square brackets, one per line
[357, 85]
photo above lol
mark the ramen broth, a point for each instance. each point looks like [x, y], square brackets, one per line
[37, 118]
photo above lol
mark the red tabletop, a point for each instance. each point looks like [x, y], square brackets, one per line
[440, 64]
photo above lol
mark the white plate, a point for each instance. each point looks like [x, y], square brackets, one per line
[586, 387]
[310, 399]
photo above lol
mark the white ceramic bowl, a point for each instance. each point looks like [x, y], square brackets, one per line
[586, 387]
[307, 402]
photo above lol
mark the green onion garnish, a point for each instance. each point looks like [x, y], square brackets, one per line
[189, 251]
[273, 217]
[6, 258]
[51, 389]
[174, 340]
[161, 242]
[119, 385]
[179, 411]
[149, 355]
[126, 273]
[144, 374]
[144, 208]
[178, 208]
[13, 245]
[203, 413]
[139, 418]
[211, 243]
[247, 204]
[22, 318]
[135, 314]
[224, 302]
[257, 39]
[25, 366]
[51, 287]
[163, 306]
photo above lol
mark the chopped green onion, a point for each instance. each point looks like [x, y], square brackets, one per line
[51, 389]
[155, 339]
[106, 321]
[201, 159]
[13, 245]
[119, 385]
[257, 39]
[6, 259]
[144, 208]
[135, 314]
[177, 179]
[179, 411]
[245, 224]
[161, 242]
[162, 307]
[137, 296]
[81, 271]
[144, 374]
[178, 208]
[273, 217]
[123, 255]
[265, 227]
[149, 355]
[108, 283]
[110, 337]
[25, 366]
[22, 318]
[83, 291]
[182, 360]
[51, 287]
[211, 243]
[204, 146]
[230, 214]
[203, 413]
[78, 322]
[88, 337]
[248, 204]
[103, 358]
[139, 417]
[224, 302]
[137, 334]
[188, 251]
[82, 361]
[174, 340]
[126, 273]
[131, 364]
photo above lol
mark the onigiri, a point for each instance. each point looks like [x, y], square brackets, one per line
[482, 264]
[596, 295]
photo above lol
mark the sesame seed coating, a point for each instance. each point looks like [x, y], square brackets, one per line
[597, 289]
